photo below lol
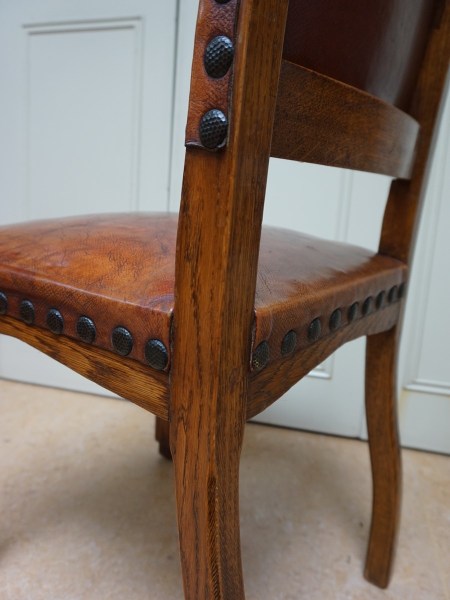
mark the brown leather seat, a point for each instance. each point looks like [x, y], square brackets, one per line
[118, 271]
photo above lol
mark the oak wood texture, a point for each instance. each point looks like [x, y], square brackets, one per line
[208, 306]
[381, 412]
[141, 385]
[321, 120]
[215, 281]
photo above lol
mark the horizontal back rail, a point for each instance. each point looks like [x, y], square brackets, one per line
[324, 121]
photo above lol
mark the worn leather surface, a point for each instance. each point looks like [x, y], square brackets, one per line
[119, 271]
[207, 92]
[374, 45]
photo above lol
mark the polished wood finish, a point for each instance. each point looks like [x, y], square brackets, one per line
[214, 305]
[129, 379]
[381, 411]
[215, 281]
[324, 121]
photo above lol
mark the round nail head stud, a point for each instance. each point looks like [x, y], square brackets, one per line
[55, 321]
[213, 128]
[393, 294]
[26, 312]
[379, 300]
[367, 306]
[122, 341]
[3, 303]
[335, 319]
[353, 312]
[402, 290]
[156, 354]
[289, 342]
[86, 329]
[260, 356]
[314, 330]
[218, 57]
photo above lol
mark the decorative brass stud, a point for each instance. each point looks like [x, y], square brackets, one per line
[260, 356]
[3, 303]
[213, 128]
[218, 57]
[314, 330]
[156, 354]
[86, 329]
[353, 312]
[122, 341]
[289, 343]
[55, 321]
[335, 319]
[26, 312]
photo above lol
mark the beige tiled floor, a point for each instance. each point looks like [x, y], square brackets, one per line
[87, 509]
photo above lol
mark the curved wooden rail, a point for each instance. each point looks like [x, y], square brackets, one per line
[127, 378]
[324, 121]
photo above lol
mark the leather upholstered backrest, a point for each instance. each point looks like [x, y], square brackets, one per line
[374, 45]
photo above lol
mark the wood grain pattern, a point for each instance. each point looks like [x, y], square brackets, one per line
[129, 379]
[406, 198]
[324, 121]
[382, 427]
[216, 266]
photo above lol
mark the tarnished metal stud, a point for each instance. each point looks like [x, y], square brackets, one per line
[379, 300]
[213, 128]
[86, 329]
[122, 341]
[218, 57]
[335, 319]
[314, 330]
[393, 294]
[367, 306]
[353, 312]
[401, 290]
[156, 354]
[26, 312]
[289, 343]
[55, 321]
[3, 303]
[260, 356]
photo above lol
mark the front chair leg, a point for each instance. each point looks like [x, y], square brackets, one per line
[162, 436]
[207, 495]
[381, 411]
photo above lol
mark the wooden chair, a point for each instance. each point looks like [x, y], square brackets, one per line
[178, 315]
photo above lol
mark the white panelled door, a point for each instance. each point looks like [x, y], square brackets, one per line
[92, 118]
[86, 117]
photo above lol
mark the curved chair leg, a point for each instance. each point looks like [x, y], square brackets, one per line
[162, 436]
[381, 410]
[207, 479]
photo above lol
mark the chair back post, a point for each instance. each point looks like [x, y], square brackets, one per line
[405, 199]
[215, 279]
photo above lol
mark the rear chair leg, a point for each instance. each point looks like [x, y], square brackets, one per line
[381, 411]
[162, 436]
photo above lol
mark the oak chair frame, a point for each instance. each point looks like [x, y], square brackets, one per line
[203, 403]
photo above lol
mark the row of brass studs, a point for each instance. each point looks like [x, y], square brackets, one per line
[261, 354]
[217, 60]
[121, 339]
